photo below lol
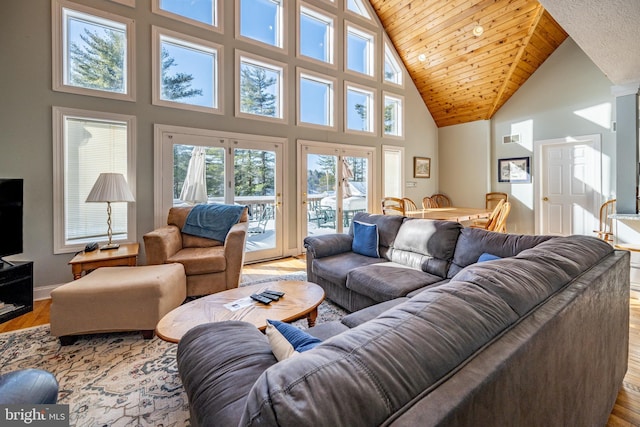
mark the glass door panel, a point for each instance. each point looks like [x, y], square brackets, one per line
[355, 189]
[321, 206]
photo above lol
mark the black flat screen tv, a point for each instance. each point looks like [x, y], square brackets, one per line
[10, 217]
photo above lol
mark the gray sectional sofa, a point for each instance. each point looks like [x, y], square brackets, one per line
[535, 339]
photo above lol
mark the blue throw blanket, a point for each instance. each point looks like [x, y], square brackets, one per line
[212, 221]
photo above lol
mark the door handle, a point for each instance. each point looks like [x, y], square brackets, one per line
[545, 199]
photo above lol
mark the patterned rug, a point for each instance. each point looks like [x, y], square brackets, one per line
[116, 379]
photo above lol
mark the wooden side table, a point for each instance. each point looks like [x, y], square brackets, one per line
[125, 255]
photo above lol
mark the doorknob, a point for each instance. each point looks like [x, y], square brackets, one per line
[545, 199]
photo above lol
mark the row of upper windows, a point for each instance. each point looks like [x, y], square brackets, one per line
[96, 60]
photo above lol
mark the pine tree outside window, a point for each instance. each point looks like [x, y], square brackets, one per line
[393, 116]
[260, 87]
[359, 109]
[392, 68]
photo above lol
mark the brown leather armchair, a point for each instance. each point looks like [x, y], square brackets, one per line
[210, 265]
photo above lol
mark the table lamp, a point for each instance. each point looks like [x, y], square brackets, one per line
[110, 188]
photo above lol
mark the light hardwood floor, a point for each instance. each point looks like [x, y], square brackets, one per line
[626, 411]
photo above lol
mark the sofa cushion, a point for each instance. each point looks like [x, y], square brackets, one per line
[387, 281]
[365, 239]
[335, 268]
[473, 242]
[200, 260]
[426, 244]
[388, 226]
[359, 317]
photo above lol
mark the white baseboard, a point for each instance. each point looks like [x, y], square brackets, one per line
[43, 292]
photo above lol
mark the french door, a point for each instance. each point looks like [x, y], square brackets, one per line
[335, 183]
[232, 169]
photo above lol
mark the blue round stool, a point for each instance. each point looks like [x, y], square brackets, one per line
[28, 386]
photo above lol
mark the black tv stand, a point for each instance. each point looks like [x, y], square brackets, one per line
[16, 289]
[4, 261]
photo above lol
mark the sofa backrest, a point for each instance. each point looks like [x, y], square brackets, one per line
[473, 242]
[388, 226]
[178, 216]
[426, 244]
[377, 370]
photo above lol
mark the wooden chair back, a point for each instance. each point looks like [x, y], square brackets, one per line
[441, 200]
[605, 230]
[429, 203]
[409, 205]
[491, 199]
[392, 206]
[489, 223]
[500, 225]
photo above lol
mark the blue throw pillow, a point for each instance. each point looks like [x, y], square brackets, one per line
[299, 339]
[488, 257]
[365, 239]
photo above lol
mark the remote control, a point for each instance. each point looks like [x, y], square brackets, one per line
[260, 298]
[270, 296]
[276, 293]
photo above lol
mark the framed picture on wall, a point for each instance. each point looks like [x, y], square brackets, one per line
[421, 167]
[514, 170]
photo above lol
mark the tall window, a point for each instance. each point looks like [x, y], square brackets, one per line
[315, 34]
[204, 13]
[262, 21]
[260, 87]
[360, 50]
[359, 109]
[393, 121]
[315, 99]
[87, 143]
[92, 52]
[185, 72]
[392, 69]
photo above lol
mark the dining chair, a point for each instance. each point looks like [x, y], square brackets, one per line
[429, 203]
[409, 205]
[486, 223]
[392, 206]
[500, 224]
[605, 230]
[491, 199]
[441, 200]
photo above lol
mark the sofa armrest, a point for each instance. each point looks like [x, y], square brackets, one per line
[328, 244]
[218, 364]
[162, 243]
[234, 250]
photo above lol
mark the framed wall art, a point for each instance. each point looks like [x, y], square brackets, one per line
[421, 167]
[514, 170]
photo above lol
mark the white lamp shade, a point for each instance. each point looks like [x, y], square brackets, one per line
[110, 187]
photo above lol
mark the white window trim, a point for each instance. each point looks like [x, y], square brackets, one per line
[323, 78]
[284, 35]
[58, 59]
[373, 116]
[400, 151]
[400, 125]
[392, 51]
[362, 32]
[368, 11]
[196, 44]
[320, 15]
[130, 3]
[218, 16]
[59, 115]
[284, 84]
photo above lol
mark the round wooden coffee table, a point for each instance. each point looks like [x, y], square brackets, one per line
[300, 300]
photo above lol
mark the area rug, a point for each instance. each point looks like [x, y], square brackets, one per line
[116, 379]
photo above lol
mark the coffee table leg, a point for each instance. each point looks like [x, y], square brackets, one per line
[311, 318]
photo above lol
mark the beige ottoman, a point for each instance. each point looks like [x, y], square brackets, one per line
[117, 299]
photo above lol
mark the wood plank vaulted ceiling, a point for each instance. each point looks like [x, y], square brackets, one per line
[463, 77]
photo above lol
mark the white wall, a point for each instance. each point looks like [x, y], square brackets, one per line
[27, 98]
[464, 162]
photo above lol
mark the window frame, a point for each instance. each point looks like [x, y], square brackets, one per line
[283, 34]
[130, 3]
[59, 116]
[387, 46]
[218, 16]
[369, 13]
[59, 51]
[399, 125]
[261, 61]
[332, 31]
[322, 78]
[373, 117]
[371, 49]
[190, 43]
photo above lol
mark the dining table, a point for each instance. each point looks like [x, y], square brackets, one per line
[450, 213]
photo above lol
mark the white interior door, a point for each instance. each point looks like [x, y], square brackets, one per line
[569, 187]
